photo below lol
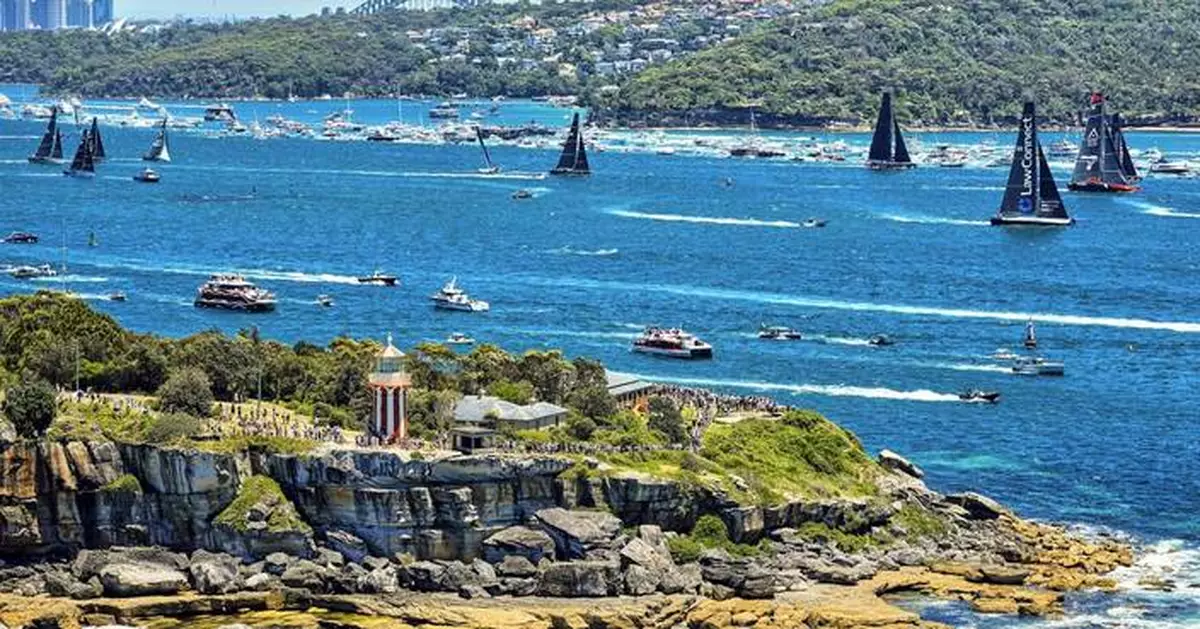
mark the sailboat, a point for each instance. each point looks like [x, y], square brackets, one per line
[1098, 166]
[489, 167]
[84, 165]
[1128, 168]
[888, 151]
[573, 160]
[160, 151]
[1030, 340]
[1031, 197]
[52, 138]
[97, 142]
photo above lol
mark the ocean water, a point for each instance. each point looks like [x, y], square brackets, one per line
[655, 239]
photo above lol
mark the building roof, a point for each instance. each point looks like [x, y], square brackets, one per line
[622, 384]
[475, 409]
[390, 351]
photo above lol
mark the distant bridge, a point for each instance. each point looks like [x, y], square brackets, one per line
[376, 6]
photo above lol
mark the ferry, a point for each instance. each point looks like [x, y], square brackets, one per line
[219, 113]
[233, 292]
[20, 238]
[1170, 168]
[451, 297]
[379, 278]
[672, 343]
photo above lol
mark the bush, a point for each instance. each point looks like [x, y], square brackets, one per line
[580, 427]
[187, 391]
[846, 542]
[514, 392]
[261, 490]
[593, 401]
[684, 549]
[708, 533]
[127, 484]
[666, 418]
[171, 428]
[31, 407]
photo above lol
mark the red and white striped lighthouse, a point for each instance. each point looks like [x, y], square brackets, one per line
[389, 389]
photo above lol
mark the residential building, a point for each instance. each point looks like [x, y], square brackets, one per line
[478, 419]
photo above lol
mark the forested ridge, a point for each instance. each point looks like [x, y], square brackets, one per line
[968, 61]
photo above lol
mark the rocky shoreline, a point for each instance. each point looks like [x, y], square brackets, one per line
[118, 533]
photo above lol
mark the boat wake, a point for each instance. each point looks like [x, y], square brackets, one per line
[709, 220]
[568, 250]
[969, 367]
[1158, 210]
[931, 220]
[900, 309]
[513, 176]
[257, 274]
[841, 340]
[830, 390]
[581, 334]
[71, 279]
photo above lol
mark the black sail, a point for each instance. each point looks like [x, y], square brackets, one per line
[1030, 192]
[881, 142]
[46, 148]
[487, 157]
[901, 155]
[159, 150]
[1127, 166]
[84, 162]
[573, 160]
[1098, 165]
[57, 151]
[97, 141]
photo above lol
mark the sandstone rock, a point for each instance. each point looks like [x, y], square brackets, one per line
[425, 576]
[1000, 575]
[214, 573]
[717, 566]
[485, 571]
[305, 574]
[141, 579]
[516, 566]
[892, 461]
[518, 586]
[643, 554]
[375, 563]
[684, 579]
[352, 547]
[518, 540]
[459, 575]
[473, 592]
[261, 582]
[578, 578]
[383, 580]
[654, 536]
[758, 583]
[276, 563]
[576, 532]
[65, 586]
[329, 558]
[640, 581]
[977, 506]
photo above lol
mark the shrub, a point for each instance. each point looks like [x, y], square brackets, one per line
[580, 427]
[31, 407]
[666, 418]
[684, 549]
[261, 490]
[846, 542]
[514, 392]
[187, 391]
[918, 523]
[127, 484]
[168, 428]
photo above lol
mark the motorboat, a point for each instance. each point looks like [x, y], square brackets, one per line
[117, 296]
[813, 223]
[451, 297]
[1170, 168]
[672, 343]
[219, 113]
[20, 238]
[880, 340]
[1037, 366]
[778, 333]
[458, 338]
[325, 301]
[378, 278]
[148, 175]
[233, 292]
[444, 111]
[32, 272]
[522, 194]
[975, 396]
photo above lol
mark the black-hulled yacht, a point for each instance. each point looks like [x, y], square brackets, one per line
[1098, 166]
[573, 160]
[1031, 197]
[888, 151]
[160, 150]
[84, 164]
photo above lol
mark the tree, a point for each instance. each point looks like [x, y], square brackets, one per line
[551, 375]
[515, 392]
[666, 418]
[594, 402]
[187, 391]
[580, 427]
[31, 407]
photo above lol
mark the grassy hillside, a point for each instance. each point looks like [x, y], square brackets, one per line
[949, 60]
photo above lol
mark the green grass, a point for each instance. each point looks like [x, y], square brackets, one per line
[270, 445]
[127, 484]
[709, 532]
[262, 490]
[846, 542]
[919, 523]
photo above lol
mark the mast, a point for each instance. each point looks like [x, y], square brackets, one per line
[487, 157]
[1098, 166]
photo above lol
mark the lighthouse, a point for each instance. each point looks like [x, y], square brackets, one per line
[389, 394]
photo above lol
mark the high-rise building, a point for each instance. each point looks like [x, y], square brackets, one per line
[102, 12]
[79, 13]
[55, 14]
[8, 15]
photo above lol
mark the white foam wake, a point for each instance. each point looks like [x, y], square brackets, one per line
[571, 251]
[710, 220]
[257, 274]
[931, 220]
[1157, 210]
[831, 390]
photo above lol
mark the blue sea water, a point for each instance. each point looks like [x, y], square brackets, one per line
[655, 239]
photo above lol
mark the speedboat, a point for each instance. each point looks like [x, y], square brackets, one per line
[1037, 366]
[880, 340]
[672, 343]
[975, 396]
[814, 222]
[522, 194]
[378, 278]
[148, 175]
[116, 296]
[444, 110]
[324, 300]
[458, 338]
[778, 333]
[1170, 168]
[451, 297]
[20, 238]
[31, 272]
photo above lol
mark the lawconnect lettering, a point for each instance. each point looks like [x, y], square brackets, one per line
[1028, 160]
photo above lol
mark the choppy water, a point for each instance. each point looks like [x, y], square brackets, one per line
[657, 240]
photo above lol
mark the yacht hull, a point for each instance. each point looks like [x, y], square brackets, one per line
[1031, 221]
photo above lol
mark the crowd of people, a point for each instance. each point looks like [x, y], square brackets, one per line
[725, 404]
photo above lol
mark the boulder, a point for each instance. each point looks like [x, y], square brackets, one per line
[384, 580]
[141, 579]
[640, 581]
[516, 566]
[518, 540]
[643, 554]
[261, 582]
[1000, 575]
[717, 566]
[306, 575]
[353, 548]
[759, 582]
[214, 573]
[684, 579]
[578, 579]
[329, 558]
[276, 563]
[459, 575]
[485, 571]
[89, 563]
[473, 592]
[654, 536]
[839, 571]
[891, 461]
[978, 507]
[426, 576]
[576, 532]
[66, 586]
